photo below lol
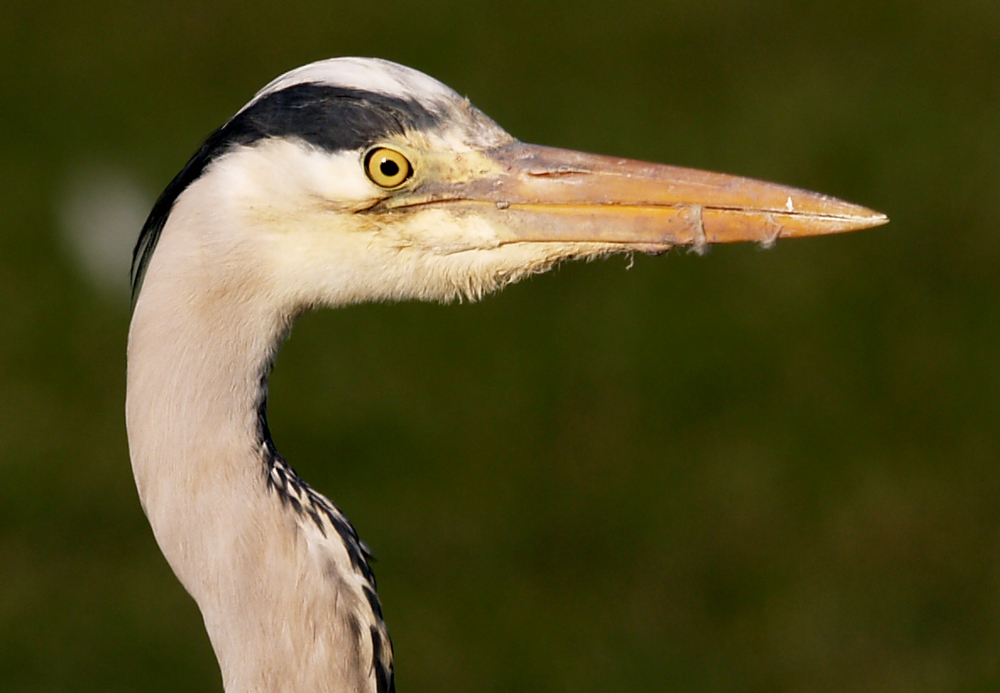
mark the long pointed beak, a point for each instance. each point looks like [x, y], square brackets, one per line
[543, 194]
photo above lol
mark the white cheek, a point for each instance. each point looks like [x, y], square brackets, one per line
[444, 232]
[336, 177]
[278, 176]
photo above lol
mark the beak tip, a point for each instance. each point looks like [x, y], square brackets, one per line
[869, 220]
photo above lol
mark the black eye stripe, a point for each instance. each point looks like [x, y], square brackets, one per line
[331, 118]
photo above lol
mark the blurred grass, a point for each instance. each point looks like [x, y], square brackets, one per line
[752, 471]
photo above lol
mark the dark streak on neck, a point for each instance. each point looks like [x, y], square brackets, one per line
[295, 493]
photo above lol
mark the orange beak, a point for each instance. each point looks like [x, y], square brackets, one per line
[541, 194]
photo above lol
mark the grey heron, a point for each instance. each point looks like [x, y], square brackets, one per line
[343, 181]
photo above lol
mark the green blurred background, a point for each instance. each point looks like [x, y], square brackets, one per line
[747, 471]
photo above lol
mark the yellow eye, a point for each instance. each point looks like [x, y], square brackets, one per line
[387, 168]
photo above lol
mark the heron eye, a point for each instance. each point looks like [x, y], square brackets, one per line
[387, 168]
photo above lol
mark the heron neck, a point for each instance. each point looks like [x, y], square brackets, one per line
[195, 383]
[278, 573]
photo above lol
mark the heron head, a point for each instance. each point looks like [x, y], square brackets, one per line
[358, 179]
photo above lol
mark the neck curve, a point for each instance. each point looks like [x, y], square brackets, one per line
[278, 572]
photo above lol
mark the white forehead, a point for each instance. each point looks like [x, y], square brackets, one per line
[365, 74]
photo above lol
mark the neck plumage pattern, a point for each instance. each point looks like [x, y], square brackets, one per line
[309, 506]
[282, 579]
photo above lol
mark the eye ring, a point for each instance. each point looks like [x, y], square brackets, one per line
[387, 168]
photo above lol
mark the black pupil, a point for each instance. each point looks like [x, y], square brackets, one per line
[389, 168]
